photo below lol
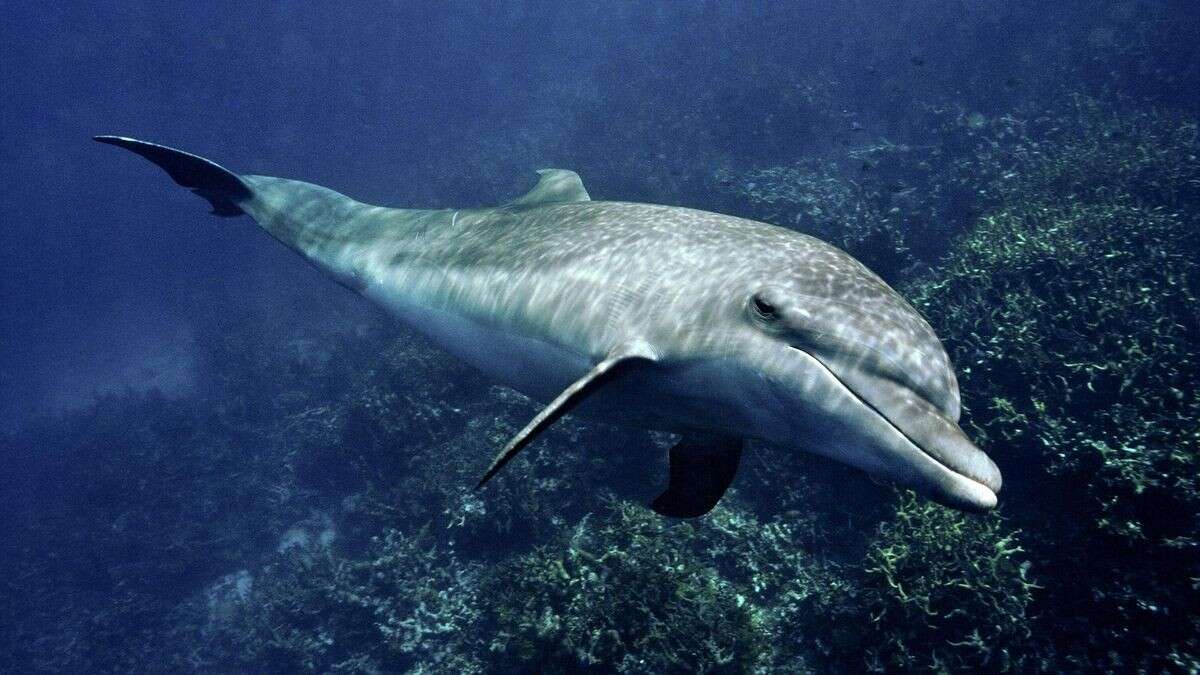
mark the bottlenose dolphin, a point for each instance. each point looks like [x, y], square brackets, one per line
[715, 327]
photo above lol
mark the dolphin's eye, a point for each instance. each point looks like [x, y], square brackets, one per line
[763, 308]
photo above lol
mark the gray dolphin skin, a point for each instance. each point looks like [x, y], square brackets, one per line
[717, 328]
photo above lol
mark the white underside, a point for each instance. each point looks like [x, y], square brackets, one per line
[530, 366]
[533, 367]
[542, 371]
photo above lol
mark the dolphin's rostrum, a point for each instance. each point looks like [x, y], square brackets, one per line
[718, 328]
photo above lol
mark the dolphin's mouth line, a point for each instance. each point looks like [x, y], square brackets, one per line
[870, 406]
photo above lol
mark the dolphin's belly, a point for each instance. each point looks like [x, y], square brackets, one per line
[685, 399]
[533, 367]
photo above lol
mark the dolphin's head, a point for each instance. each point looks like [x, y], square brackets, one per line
[846, 368]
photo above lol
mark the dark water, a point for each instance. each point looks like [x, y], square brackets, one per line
[214, 459]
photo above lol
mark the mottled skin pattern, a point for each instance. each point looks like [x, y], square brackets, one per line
[587, 276]
[755, 330]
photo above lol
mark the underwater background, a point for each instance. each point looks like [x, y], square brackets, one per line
[213, 459]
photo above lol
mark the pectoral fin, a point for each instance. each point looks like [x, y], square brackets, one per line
[571, 397]
[701, 471]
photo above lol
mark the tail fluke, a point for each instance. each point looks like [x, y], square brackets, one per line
[220, 186]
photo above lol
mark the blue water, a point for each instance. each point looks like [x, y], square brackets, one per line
[181, 397]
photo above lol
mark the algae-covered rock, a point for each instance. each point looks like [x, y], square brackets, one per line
[628, 591]
[405, 605]
[939, 590]
[625, 594]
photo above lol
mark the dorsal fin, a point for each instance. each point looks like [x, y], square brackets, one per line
[555, 185]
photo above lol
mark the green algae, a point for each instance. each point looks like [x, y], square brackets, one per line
[1071, 311]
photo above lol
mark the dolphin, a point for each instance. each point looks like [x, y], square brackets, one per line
[714, 327]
